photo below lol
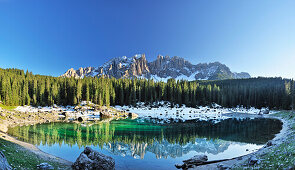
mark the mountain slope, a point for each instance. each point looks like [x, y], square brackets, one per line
[162, 68]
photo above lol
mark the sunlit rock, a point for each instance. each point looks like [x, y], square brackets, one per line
[90, 159]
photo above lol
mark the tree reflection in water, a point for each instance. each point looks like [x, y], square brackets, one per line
[136, 137]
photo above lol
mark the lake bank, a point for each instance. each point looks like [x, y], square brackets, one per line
[43, 122]
[276, 154]
[21, 154]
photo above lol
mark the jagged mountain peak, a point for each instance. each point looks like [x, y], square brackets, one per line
[163, 68]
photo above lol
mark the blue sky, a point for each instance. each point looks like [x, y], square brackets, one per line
[51, 36]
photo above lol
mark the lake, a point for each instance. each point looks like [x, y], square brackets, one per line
[142, 144]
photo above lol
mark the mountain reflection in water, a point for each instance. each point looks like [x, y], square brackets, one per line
[136, 137]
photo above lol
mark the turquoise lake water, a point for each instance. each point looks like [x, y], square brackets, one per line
[141, 144]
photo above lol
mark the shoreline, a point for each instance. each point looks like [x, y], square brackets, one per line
[233, 162]
[32, 148]
[242, 161]
[18, 119]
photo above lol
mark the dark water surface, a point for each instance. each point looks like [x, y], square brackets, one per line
[140, 144]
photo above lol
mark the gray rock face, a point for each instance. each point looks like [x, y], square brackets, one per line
[45, 166]
[90, 160]
[161, 68]
[173, 67]
[242, 75]
[3, 162]
[120, 67]
[80, 73]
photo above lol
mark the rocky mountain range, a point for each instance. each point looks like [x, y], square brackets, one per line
[164, 149]
[161, 69]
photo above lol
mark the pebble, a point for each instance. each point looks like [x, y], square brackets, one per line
[223, 167]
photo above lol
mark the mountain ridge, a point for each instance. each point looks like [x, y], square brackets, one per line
[160, 69]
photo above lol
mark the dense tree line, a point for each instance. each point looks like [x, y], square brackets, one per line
[260, 92]
[19, 88]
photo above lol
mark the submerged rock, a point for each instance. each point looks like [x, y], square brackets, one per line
[3, 162]
[90, 159]
[45, 166]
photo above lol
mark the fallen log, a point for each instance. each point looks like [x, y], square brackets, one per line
[185, 166]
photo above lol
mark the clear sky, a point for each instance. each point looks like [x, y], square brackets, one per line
[51, 36]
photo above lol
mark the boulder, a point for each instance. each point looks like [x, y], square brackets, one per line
[179, 166]
[3, 126]
[91, 160]
[269, 143]
[80, 119]
[264, 111]
[223, 167]
[77, 108]
[3, 162]
[252, 160]
[45, 166]
[132, 115]
[106, 115]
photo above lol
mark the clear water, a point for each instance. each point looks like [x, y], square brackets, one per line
[141, 144]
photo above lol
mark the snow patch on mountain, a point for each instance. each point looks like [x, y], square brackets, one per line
[162, 69]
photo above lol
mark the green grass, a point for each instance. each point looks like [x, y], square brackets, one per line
[279, 156]
[21, 158]
[7, 107]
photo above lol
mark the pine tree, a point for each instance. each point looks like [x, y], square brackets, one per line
[79, 91]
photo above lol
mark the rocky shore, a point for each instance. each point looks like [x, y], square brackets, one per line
[14, 118]
[20, 154]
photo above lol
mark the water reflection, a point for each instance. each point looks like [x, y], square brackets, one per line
[137, 137]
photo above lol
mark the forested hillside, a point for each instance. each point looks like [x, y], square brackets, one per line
[19, 88]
